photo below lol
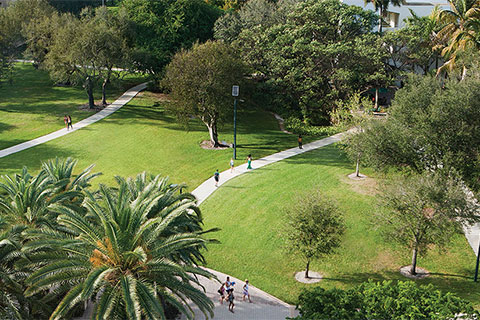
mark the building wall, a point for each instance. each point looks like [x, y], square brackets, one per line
[420, 7]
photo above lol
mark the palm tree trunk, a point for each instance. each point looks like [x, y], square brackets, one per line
[306, 269]
[380, 20]
[376, 98]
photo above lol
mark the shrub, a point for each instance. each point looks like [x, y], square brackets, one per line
[382, 301]
[297, 126]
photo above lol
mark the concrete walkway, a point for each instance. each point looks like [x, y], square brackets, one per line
[264, 306]
[120, 102]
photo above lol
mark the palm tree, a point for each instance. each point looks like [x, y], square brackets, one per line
[121, 256]
[11, 290]
[27, 200]
[382, 6]
[460, 31]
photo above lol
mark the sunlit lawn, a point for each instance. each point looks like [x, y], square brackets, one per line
[32, 106]
[251, 245]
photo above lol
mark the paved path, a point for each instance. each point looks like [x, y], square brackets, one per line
[264, 306]
[120, 102]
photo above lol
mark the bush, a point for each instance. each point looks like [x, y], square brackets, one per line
[382, 301]
[297, 126]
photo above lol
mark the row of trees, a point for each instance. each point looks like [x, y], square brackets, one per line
[131, 250]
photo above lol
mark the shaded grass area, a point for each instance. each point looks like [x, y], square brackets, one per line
[32, 106]
[143, 137]
[251, 244]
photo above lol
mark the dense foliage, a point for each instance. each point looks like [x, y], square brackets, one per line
[132, 249]
[313, 227]
[163, 27]
[201, 80]
[385, 300]
[429, 126]
[311, 53]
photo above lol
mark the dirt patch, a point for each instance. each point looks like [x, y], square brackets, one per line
[313, 277]
[208, 145]
[98, 106]
[421, 273]
[367, 186]
[160, 96]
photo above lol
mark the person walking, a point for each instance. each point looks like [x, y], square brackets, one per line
[249, 161]
[232, 165]
[300, 140]
[230, 299]
[65, 119]
[221, 291]
[69, 122]
[246, 294]
[216, 176]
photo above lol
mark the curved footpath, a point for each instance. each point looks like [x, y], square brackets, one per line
[120, 102]
[264, 306]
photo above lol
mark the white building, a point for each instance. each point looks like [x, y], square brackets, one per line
[396, 15]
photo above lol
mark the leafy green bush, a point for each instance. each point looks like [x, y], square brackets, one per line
[382, 301]
[297, 126]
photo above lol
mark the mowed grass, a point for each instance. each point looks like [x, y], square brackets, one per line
[249, 210]
[32, 106]
[143, 137]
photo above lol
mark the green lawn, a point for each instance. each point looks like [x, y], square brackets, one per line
[252, 248]
[32, 106]
[143, 137]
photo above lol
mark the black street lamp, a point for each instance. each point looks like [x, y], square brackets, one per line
[235, 90]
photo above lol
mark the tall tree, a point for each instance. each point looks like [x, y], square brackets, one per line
[164, 26]
[429, 126]
[460, 31]
[426, 210]
[119, 258]
[313, 228]
[382, 6]
[201, 82]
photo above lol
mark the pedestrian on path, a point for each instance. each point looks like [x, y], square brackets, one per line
[300, 140]
[65, 119]
[221, 291]
[232, 165]
[216, 176]
[249, 161]
[246, 294]
[230, 299]
[69, 120]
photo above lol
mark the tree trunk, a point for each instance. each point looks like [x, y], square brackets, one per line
[212, 130]
[380, 20]
[464, 73]
[89, 88]
[376, 99]
[357, 169]
[413, 269]
[104, 91]
[306, 270]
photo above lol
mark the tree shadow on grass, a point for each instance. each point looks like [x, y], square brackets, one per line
[32, 158]
[329, 156]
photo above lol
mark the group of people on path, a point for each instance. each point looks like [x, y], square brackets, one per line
[226, 293]
[216, 174]
[68, 121]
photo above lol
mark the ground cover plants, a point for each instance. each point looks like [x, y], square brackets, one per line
[251, 248]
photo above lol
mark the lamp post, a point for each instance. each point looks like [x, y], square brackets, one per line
[235, 90]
